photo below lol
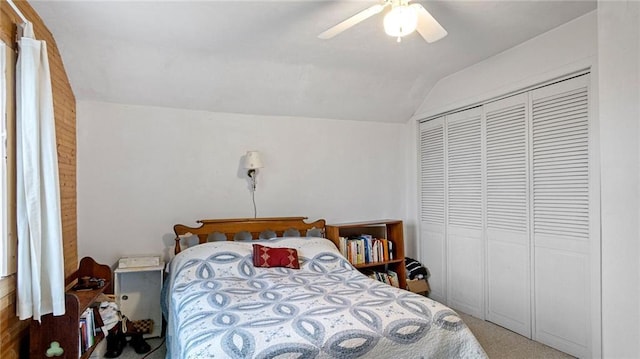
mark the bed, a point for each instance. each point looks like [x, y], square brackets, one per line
[220, 302]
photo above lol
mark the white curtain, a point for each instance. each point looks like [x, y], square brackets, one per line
[40, 277]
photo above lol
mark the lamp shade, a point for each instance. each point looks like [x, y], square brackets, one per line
[400, 21]
[252, 160]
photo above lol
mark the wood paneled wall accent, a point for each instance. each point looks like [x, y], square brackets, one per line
[12, 331]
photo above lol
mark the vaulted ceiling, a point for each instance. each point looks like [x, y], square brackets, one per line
[264, 57]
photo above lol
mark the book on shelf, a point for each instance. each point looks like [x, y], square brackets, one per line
[386, 250]
[87, 330]
[389, 277]
[364, 249]
[82, 324]
[393, 278]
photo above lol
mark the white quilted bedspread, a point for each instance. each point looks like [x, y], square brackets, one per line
[221, 306]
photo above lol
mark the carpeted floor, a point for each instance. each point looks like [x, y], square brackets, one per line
[500, 343]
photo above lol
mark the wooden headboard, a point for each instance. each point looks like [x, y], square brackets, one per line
[230, 227]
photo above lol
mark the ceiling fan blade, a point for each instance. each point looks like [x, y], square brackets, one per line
[354, 20]
[428, 26]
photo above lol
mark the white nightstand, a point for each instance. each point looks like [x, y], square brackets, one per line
[137, 292]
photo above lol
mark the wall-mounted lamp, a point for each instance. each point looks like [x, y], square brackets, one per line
[252, 162]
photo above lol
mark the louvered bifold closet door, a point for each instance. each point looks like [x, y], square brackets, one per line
[507, 210]
[465, 250]
[561, 221]
[432, 208]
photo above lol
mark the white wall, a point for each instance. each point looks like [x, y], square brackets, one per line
[565, 49]
[143, 169]
[619, 81]
[411, 223]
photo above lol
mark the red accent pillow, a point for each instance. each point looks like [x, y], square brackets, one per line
[275, 257]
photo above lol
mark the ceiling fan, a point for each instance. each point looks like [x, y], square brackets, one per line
[400, 21]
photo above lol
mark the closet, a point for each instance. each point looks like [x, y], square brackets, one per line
[506, 212]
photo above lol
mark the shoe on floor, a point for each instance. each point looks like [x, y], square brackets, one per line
[115, 344]
[139, 344]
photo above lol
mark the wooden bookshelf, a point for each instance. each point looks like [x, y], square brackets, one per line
[391, 229]
[64, 328]
[377, 264]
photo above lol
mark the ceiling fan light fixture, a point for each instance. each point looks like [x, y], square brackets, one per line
[400, 21]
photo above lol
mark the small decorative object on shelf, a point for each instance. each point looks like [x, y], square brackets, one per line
[89, 283]
[377, 246]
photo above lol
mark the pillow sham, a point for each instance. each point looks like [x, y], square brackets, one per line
[267, 257]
